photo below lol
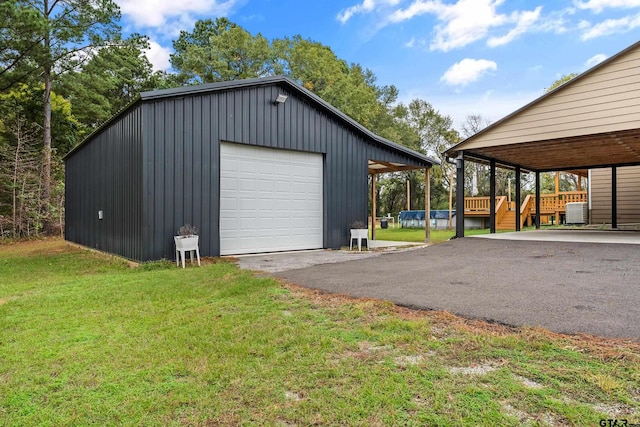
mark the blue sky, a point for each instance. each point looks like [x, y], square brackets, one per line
[487, 57]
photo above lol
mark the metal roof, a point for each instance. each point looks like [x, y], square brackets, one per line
[262, 81]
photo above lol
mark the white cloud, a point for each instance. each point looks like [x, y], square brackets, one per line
[154, 13]
[610, 26]
[158, 56]
[467, 71]
[598, 6]
[524, 21]
[557, 21]
[416, 43]
[365, 6]
[417, 8]
[467, 21]
[595, 60]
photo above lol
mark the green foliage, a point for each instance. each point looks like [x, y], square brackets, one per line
[108, 80]
[562, 80]
[220, 51]
[43, 35]
[20, 158]
[423, 129]
[27, 101]
[45, 39]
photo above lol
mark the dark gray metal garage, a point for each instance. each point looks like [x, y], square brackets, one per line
[156, 165]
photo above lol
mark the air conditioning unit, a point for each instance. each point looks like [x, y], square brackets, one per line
[577, 213]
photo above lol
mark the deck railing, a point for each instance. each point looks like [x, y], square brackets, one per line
[526, 209]
[551, 203]
[478, 204]
[502, 206]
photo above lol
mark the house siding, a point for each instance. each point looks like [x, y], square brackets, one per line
[107, 175]
[628, 186]
[606, 100]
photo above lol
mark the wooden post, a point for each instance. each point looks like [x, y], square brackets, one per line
[373, 207]
[492, 196]
[579, 183]
[408, 195]
[518, 198]
[427, 206]
[557, 183]
[614, 197]
[538, 207]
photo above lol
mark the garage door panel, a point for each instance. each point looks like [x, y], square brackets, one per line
[271, 200]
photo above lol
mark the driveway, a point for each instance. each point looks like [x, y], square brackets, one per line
[566, 287]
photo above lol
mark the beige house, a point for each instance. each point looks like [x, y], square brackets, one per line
[591, 123]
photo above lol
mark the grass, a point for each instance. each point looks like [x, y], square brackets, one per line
[87, 339]
[417, 234]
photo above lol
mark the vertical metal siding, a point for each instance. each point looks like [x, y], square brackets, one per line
[106, 175]
[181, 160]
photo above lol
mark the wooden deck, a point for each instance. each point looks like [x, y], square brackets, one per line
[550, 205]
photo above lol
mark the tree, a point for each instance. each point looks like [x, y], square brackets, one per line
[45, 38]
[20, 150]
[220, 51]
[476, 172]
[350, 88]
[110, 79]
[422, 128]
[562, 80]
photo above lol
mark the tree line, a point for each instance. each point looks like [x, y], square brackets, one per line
[66, 68]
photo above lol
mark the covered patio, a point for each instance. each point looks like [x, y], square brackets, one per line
[378, 167]
[590, 122]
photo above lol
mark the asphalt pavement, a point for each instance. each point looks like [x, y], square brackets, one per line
[567, 287]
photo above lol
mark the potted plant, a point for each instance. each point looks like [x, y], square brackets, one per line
[360, 232]
[187, 240]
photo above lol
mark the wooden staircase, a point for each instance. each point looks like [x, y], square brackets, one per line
[550, 204]
[508, 221]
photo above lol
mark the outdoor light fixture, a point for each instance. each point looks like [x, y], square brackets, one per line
[280, 99]
[100, 215]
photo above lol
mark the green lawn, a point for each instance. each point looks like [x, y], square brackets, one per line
[417, 234]
[87, 340]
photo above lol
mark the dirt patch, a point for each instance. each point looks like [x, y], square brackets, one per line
[369, 351]
[409, 360]
[614, 410]
[48, 246]
[528, 419]
[528, 383]
[473, 370]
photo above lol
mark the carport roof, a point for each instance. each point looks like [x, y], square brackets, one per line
[589, 122]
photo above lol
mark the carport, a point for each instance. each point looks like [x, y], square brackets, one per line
[379, 167]
[590, 122]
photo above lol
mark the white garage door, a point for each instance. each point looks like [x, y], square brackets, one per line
[270, 200]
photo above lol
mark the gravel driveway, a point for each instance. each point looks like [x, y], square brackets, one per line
[591, 288]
